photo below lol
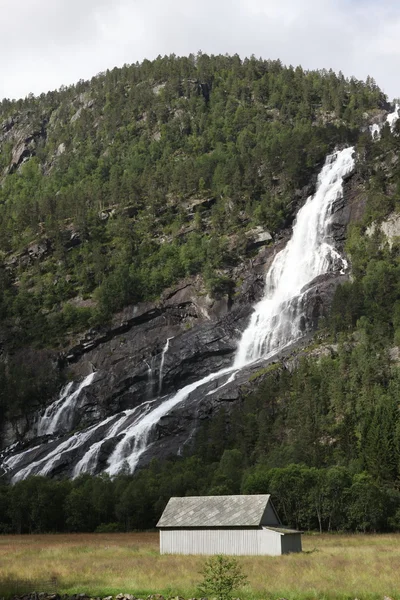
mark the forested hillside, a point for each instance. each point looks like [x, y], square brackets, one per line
[114, 189]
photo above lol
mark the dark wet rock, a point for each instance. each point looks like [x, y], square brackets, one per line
[203, 334]
[127, 360]
[73, 239]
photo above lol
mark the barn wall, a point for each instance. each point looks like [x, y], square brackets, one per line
[269, 517]
[291, 543]
[220, 541]
[270, 542]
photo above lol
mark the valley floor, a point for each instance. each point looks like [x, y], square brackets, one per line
[331, 566]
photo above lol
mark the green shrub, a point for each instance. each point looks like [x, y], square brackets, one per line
[221, 577]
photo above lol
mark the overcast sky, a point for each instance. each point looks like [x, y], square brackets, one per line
[47, 43]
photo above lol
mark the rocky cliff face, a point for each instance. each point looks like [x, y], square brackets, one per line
[127, 357]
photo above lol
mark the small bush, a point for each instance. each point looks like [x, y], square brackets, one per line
[221, 577]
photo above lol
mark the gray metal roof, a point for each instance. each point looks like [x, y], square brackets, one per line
[215, 511]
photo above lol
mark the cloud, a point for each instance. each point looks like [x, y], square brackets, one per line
[47, 43]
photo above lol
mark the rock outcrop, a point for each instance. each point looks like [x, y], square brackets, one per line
[132, 366]
[23, 135]
[390, 228]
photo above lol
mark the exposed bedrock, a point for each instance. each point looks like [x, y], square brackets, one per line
[203, 333]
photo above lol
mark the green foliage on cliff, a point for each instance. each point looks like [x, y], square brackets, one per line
[141, 176]
[323, 438]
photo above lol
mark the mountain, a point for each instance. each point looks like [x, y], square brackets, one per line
[139, 215]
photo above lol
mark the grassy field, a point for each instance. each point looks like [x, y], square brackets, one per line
[331, 566]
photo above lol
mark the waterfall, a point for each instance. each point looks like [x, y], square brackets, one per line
[276, 319]
[164, 352]
[150, 377]
[391, 119]
[120, 426]
[132, 446]
[275, 323]
[375, 130]
[58, 416]
[44, 465]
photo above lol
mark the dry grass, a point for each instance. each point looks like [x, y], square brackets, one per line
[332, 566]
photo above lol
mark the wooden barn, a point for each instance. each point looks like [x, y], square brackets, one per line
[240, 525]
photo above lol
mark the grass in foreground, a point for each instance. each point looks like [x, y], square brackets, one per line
[331, 567]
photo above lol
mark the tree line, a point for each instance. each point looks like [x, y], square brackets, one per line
[331, 499]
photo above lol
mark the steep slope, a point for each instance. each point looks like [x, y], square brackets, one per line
[291, 306]
[114, 190]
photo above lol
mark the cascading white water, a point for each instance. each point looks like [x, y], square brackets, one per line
[60, 414]
[121, 424]
[164, 352]
[276, 319]
[375, 130]
[275, 322]
[150, 377]
[393, 117]
[45, 423]
[391, 120]
[152, 383]
[132, 446]
[44, 465]
[88, 462]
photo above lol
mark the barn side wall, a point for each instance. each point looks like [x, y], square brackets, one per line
[237, 542]
[291, 543]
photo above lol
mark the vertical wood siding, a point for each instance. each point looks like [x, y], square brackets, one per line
[270, 542]
[220, 541]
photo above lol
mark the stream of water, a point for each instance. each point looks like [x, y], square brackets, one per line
[275, 323]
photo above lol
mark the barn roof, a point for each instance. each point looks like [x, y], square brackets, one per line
[215, 511]
[283, 530]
